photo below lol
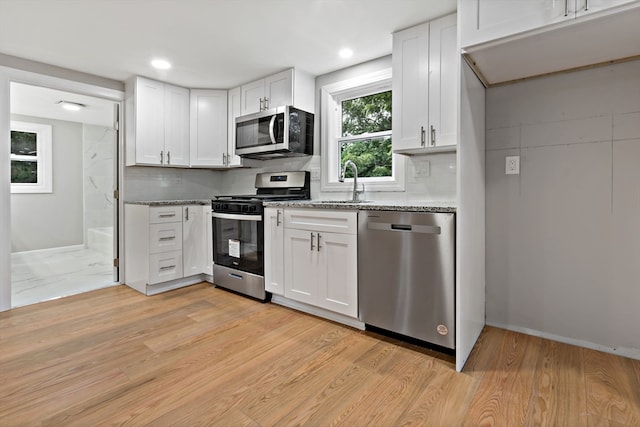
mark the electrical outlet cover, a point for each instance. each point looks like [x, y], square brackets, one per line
[512, 165]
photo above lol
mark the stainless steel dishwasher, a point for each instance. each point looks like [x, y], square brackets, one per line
[406, 274]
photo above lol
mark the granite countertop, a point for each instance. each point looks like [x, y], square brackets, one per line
[171, 202]
[371, 205]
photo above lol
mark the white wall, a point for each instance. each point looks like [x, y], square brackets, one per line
[99, 150]
[50, 220]
[563, 237]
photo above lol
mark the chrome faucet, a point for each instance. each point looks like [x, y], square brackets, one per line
[354, 168]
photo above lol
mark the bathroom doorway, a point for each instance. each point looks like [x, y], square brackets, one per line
[64, 216]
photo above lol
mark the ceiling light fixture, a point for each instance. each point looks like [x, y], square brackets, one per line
[345, 53]
[161, 64]
[71, 106]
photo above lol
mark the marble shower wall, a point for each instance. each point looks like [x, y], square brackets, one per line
[98, 144]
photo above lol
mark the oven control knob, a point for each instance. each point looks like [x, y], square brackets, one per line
[245, 208]
[252, 208]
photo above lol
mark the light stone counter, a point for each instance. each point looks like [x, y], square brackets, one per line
[371, 205]
[171, 202]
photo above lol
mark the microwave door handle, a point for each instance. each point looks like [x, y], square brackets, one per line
[272, 123]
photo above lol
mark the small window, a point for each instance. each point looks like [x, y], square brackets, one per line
[31, 170]
[366, 135]
[356, 115]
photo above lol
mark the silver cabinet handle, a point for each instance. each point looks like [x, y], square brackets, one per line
[586, 5]
[566, 7]
[168, 157]
[262, 104]
[186, 213]
[266, 103]
[318, 246]
[311, 240]
[168, 267]
[224, 159]
[278, 218]
[167, 215]
[161, 157]
[433, 135]
[164, 239]
[272, 123]
[422, 136]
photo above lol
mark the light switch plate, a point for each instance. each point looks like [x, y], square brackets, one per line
[512, 165]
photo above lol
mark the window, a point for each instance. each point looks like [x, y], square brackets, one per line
[31, 170]
[357, 126]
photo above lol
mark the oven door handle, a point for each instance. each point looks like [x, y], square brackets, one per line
[239, 217]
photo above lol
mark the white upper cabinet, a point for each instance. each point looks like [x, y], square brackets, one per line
[157, 125]
[208, 128]
[425, 64]
[290, 87]
[506, 41]
[486, 20]
[233, 111]
[176, 125]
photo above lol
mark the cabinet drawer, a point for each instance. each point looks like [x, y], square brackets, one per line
[163, 214]
[321, 220]
[165, 266]
[165, 237]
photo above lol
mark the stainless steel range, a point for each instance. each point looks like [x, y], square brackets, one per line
[238, 231]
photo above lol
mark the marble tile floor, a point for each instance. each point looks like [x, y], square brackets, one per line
[38, 276]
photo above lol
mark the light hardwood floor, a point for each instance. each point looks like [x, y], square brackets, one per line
[204, 356]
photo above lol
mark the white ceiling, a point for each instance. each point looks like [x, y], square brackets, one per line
[211, 43]
[43, 102]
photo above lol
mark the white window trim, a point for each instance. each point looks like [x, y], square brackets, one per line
[44, 158]
[330, 97]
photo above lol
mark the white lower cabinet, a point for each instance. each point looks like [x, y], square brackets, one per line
[274, 250]
[320, 259]
[165, 246]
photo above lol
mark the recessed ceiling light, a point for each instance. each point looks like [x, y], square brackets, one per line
[161, 64]
[345, 53]
[71, 106]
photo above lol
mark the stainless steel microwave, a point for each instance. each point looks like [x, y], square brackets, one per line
[279, 132]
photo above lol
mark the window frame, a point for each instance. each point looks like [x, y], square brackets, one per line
[44, 158]
[332, 96]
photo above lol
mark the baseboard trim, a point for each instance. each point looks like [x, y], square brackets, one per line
[317, 311]
[631, 353]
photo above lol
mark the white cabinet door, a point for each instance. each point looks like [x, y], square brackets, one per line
[234, 104]
[176, 126]
[207, 267]
[585, 7]
[338, 275]
[193, 239]
[485, 20]
[279, 89]
[410, 87]
[443, 82]
[252, 95]
[208, 133]
[149, 121]
[301, 278]
[274, 251]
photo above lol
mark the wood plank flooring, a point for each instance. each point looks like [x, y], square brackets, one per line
[204, 356]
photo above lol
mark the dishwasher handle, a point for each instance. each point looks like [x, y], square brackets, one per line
[411, 228]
